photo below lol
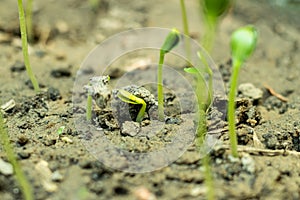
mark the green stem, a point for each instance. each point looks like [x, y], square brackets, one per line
[141, 113]
[160, 96]
[231, 108]
[210, 32]
[23, 182]
[25, 47]
[209, 182]
[184, 18]
[29, 20]
[89, 108]
[185, 29]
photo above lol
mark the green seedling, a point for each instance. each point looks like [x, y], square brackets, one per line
[127, 97]
[212, 11]
[204, 97]
[89, 107]
[171, 41]
[25, 46]
[29, 20]
[94, 4]
[243, 42]
[23, 182]
[185, 29]
[60, 130]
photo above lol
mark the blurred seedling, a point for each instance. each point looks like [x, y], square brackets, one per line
[29, 6]
[94, 4]
[212, 11]
[20, 176]
[25, 46]
[243, 42]
[204, 94]
[97, 89]
[60, 130]
[170, 42]
[127, 97]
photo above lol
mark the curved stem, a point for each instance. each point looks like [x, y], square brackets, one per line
[231, 108]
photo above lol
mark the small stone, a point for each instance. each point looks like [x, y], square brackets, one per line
[248, 163]
[24, 155]
[130, 128]
[8, 105]
[22, 140]
[143, 193]
[57, 177]
[67, 140]
[62, 27]
[6, 168]
[53, 94]
[250, 91]
[61, 72]
[45, 176]
[18, 67]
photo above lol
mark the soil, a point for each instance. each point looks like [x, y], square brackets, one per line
[66, 31]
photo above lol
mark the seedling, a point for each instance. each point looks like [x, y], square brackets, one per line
[29, 20]
[89, 107]
[204, 95]
[60, 130]
[23, 182]
[127, 97]
[25, 46]
[243, 42]
[171, 41]
[212, 11]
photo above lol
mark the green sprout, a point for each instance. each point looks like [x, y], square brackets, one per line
[60, 130]
[25, 46]
[20, 176]
[127, 97]
[212, 11]
[171, 41]
[29, 20]
[89, 107]
[243, 42]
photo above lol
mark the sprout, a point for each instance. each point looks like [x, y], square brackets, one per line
[212, 11]
[243, 42]
[170, 42]
[25, 46]
[24, 184]
[127, 97]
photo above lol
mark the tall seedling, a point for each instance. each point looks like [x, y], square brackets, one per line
[171, 41]
[243, 42]
[25, 46]
[212, 11]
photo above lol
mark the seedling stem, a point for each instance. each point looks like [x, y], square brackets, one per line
[127, 97]
[23, 182]
[25, 46]
[171, 41]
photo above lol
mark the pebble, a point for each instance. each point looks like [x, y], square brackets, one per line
[130, 128]
[250, 91]
[8, 105]
[18, 67]
[248, 163]
[56, 176]
[67, 140]
[61, 72]
[53, 94]
[6, 168]
[45, 175]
